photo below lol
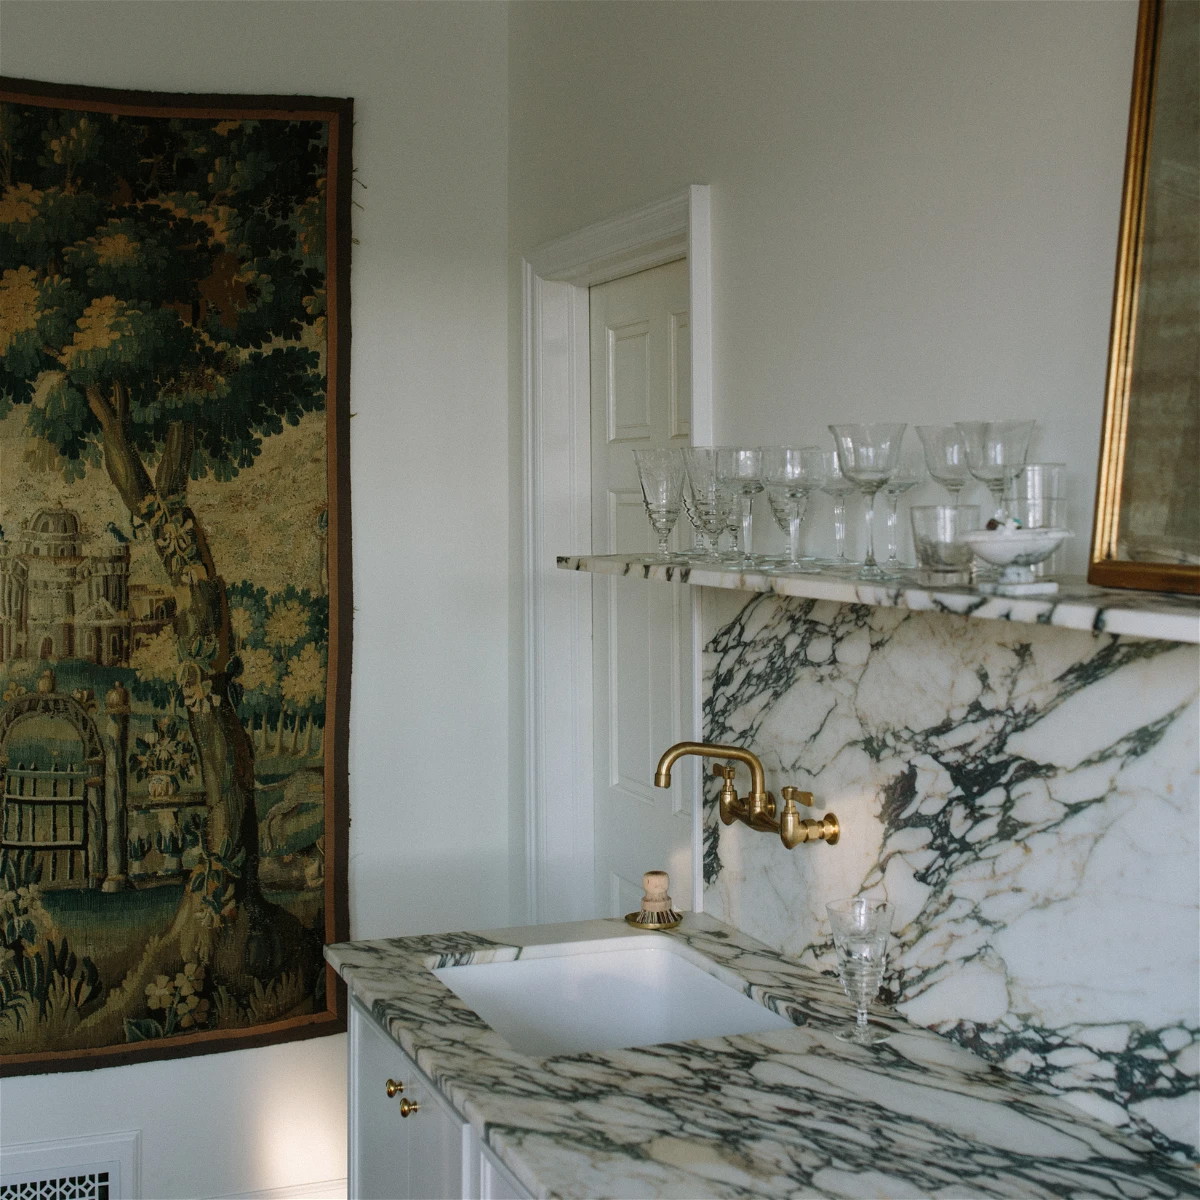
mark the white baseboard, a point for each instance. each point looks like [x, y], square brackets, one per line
[328, 1189]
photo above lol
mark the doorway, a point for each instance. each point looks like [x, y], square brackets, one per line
[560, 829]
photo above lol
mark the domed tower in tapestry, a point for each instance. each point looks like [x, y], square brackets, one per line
[56, 602]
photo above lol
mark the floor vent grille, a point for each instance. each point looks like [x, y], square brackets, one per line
[94, 1186]
[97, 1167]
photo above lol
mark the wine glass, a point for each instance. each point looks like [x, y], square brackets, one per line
[711, 500]
[660, 472]
[907, 475]
[741, 472]
[860, 938]
[790, 474]
[996, 451]
[698, 550]
[946, 457]
[835, 485]
[869, 455]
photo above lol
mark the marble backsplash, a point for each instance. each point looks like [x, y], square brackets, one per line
[1026, 796]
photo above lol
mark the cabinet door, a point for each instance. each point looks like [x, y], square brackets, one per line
[393, 1157]
[495, 1183]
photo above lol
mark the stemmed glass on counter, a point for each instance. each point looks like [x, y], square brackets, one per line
[860, 938]
[790, 474]
[869, 455]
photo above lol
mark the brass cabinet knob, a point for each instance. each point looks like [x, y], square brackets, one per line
[393, 1087]
[407, 1108]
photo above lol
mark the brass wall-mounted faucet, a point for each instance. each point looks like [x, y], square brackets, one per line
[757, 809]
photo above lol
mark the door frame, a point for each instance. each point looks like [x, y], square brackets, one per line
[556, 519]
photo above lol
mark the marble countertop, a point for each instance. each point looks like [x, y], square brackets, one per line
[792, 1113]
[1076, 605]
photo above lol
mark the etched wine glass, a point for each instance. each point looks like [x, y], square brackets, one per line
[869, 455]
[837, 487]
[660, 472]
[860, 939]
[711, 500]
[698, 550]
[946, 457]
[790, 474]
[909, 473]
[740, 470]
[996, 451]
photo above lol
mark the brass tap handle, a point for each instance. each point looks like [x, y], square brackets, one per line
[407, 1108]
[791, 794]
[393, 1087]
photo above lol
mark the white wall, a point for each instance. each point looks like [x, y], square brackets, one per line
[429, 735]
[915, 212]
[915, 206]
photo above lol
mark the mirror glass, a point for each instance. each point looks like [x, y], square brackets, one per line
[1148, 503]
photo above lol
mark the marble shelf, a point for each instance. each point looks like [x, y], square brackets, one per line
[1077, 605]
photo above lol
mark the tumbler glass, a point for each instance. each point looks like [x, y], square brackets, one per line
[1037, 497]
[942, 556]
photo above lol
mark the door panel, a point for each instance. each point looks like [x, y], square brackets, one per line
[641, 396]
[628, 379]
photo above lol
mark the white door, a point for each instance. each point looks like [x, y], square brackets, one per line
[641, 631]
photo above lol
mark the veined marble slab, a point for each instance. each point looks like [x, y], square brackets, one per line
[1077, 605]
[1028, 798]
[793, 1113]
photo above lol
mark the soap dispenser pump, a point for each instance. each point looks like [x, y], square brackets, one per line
[656, 911]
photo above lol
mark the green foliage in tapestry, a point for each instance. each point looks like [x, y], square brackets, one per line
[176, 271]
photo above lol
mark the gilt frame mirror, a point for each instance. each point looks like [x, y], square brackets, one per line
[1147, 527]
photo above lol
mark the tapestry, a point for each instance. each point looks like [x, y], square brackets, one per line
[174, 571]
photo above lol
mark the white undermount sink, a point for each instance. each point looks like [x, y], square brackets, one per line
[614, 996]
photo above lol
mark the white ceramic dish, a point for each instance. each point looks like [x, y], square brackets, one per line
[1016, 552]
[1015, 547]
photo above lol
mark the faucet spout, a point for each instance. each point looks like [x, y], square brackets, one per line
[662, 775]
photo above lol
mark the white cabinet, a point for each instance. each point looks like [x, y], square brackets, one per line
[428, 1154]
[495, 1183]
